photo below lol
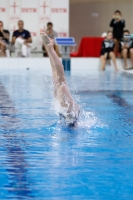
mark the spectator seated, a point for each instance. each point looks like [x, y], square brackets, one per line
[21, 39]
[51, 34]
[4, 41]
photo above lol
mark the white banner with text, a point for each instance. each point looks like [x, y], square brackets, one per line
[36, 14]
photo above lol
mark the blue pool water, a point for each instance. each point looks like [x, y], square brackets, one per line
[40, 159]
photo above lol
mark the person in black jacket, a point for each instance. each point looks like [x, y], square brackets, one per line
[107, 50]
[4, 40]
[126, 49]
[118, 24]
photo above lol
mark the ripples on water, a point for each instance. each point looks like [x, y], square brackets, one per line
[42, 159]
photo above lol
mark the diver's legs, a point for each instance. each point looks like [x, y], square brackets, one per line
[57, 66]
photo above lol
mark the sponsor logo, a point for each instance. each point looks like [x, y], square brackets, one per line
[28, 10]
[44, 18]
[14, 18]
[44, 6]
[14, 6]
[2, 9]
[59, 10]
[62, 34]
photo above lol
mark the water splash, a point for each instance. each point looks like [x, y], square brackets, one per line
[88, 119]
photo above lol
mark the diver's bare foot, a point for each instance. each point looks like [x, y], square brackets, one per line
[46, 40]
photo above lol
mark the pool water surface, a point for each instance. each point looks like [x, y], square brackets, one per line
[42, 159]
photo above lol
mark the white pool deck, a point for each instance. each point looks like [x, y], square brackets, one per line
[89, 64]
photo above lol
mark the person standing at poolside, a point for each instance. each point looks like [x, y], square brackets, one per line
[118, 24]
[69, 109]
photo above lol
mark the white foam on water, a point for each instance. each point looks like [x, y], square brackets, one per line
[89, 119]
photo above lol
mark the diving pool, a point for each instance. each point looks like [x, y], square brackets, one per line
[41, 159]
